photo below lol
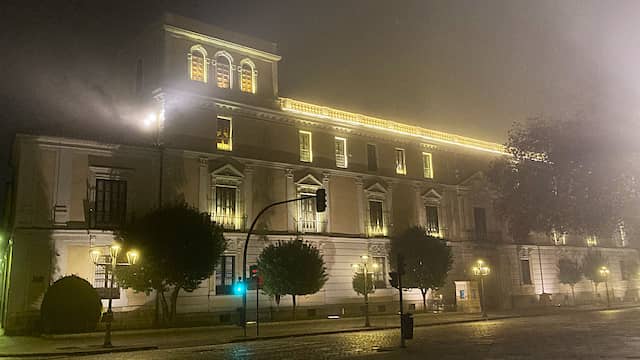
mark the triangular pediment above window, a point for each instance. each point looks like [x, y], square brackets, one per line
[309, 180]
[377, 188]
[227, 170]
[432, 195]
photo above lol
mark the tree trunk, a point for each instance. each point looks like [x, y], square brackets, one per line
[277, 298]
[174, 303]
[573, 293]
[595, 289]
[156, 319]
[294, 306]
[165, 308]
[424, 299]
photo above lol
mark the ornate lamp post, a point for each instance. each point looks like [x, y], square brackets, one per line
[109, 267]
[364, 265]
[604, 273]
[480, 269]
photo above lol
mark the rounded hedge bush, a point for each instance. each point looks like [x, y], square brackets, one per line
[70, 305]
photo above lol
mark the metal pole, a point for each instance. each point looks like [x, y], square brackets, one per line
[482, 303]
[366, 299]
[244, 256]
[257, 309]
[606, 286]
[107, 334]
[402, 341]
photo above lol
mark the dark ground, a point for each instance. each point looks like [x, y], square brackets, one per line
[608, 334]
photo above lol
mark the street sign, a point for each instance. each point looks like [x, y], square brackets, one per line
[108, 293]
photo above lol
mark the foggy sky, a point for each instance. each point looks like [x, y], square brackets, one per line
[469, 67]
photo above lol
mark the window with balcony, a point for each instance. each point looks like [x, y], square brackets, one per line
[372, 157]
[307, 216]
[198, 64]
[223, 70]
[306, 153]
[225, 207]
[525, 271]
[341, 152]
[380, 270]
[110, 203]
[376, 218]
[224, 134]
[401, 166]
[225, 273]
[433, 227]
[427, 165]
[247, 76]
[480, 222]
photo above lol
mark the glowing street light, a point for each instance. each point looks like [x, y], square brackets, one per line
[364, 265]
[480, 269]
[604, 273]
[110, 266]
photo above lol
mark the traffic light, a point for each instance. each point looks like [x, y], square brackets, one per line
[401, 269]
[321, 200]
[253, 272]
[239, 288]
[393, 279]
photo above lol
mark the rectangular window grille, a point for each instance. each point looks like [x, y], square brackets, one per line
[427, 164]
[480, 221]
[592, 240]
[372, 157]
[225, 273]
[308, 220]
[99, 279]
[341, 152]
[197, 68]
[433, 227]
[376, 217]
[379, 272]
[306, 154]
[401, 166]
[111, 203]
[223, 134]
[525, 270]
[225, 209]
[223, 71]
[246, 79]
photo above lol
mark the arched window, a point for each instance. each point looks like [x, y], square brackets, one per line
[224, 64]
[247, 76]
[198, 63]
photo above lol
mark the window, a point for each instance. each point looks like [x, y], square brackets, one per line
[559, 238]
[401, 167]
[427, 165]
[592, 240]
[372, 157]
[100, 279]
[223, 71]
[225, 272]
[225, 210]
[433, 227]
[223, 134]
[341, 152]
[111, 203]
[198, 64]
[307, 220]
[379, 272]
[376, 218]
[306, 154]
[525, 271]
[247, 76]
[624, 275]
[480, 221]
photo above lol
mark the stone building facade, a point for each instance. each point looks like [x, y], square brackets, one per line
[211, 130]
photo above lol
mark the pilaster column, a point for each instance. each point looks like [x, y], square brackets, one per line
[389, 209]
[290, 194]
[419, 206]
[327, 213]
[361, 205]
[248, 193]
[203, 186]
[63, 187]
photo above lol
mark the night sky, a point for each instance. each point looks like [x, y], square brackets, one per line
[469, 67]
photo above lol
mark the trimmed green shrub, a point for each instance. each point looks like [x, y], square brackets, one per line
[70, 305]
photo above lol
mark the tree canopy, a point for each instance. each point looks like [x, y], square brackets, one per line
[427, 259]
[358, 283]
[569, 273]
[564, 176]
[179, 247]
[292, 268]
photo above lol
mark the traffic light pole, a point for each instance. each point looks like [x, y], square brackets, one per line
[246, 247]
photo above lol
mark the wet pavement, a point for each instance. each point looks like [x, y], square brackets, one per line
[607, 334]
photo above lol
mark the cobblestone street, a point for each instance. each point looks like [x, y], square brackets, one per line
[608, 334]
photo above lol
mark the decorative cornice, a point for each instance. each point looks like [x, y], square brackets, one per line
[210, 40]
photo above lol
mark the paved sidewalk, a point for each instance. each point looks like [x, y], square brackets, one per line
[135, 340]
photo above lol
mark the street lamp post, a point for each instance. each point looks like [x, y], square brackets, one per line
[604, 273]
[480, 269]
[110, 266]
[364, 265]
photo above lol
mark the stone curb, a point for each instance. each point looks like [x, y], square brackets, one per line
[85, 352]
